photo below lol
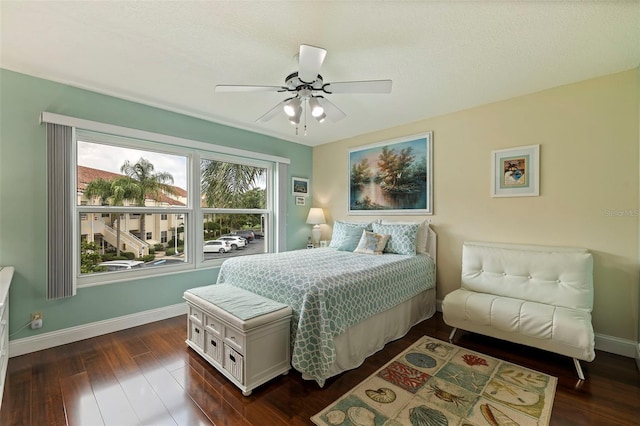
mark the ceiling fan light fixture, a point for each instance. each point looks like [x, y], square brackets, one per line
[295, 118]
[293, 107]
[316, 109]
[321, 117]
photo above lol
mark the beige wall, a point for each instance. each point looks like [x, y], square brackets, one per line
[588, 136]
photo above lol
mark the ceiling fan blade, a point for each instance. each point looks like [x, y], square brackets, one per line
[272, 112]
[309, 62]
[243, 88]
[370, 86]
[333, 112]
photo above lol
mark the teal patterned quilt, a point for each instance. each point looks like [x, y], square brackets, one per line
[329, 291]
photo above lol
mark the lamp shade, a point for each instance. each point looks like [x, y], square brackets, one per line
[293, 107]
[316, 216]
[316, 109]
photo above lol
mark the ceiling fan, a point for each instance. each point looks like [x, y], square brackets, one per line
[308, 89]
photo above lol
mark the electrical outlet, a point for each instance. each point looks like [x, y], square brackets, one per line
[36, 320]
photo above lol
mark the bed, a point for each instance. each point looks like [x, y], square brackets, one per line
[339, 297]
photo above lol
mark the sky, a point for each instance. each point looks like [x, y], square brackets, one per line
[111, 158]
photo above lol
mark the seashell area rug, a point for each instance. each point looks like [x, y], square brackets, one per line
[438, 383]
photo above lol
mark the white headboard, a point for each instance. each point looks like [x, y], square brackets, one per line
[432, 243]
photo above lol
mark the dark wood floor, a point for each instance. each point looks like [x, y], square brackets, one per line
[147, 375]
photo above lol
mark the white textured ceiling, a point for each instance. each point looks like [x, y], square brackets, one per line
[442, 56]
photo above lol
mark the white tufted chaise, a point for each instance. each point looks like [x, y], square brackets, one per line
[538, 296]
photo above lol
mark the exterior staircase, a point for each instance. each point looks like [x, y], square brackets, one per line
[128, 241]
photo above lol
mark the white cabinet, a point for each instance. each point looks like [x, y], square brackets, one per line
[248, 352]
[6, 273]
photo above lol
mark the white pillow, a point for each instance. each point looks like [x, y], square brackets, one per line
[422, 239]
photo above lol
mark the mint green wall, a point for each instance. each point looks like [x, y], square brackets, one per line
[23, 198]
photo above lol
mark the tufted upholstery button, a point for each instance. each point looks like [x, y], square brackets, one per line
[504, 273]
[529, 277]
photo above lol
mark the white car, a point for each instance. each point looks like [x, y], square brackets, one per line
[236, 242]
[121, 265]
[216, 246]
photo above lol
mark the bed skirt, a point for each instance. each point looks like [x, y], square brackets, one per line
[357, 342]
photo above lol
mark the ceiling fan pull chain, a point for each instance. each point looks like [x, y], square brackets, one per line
[305, 117]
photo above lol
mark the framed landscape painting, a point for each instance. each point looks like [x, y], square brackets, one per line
[392, 177]
[516, 172]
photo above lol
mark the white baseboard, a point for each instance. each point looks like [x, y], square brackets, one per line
[611, 344]
[86, 331]
[614, 345]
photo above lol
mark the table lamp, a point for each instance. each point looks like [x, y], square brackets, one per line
[315, 218]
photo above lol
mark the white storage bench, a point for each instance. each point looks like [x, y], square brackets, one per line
[243, 335]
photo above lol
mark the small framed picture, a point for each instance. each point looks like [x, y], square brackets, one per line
[300, 186]
[300, 201]
[516, 172]
[323, 243]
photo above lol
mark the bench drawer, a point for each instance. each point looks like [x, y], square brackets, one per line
[235, 339]
[213, 326]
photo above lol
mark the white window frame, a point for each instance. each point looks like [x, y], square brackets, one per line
[268, 211]
[193, 150]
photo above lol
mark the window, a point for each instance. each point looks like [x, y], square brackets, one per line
[135, 204]
[234, 201]
[123, 195]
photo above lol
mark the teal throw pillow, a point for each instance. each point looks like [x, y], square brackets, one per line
[346, 235]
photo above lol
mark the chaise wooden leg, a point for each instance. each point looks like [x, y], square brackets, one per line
[576, 362]
[451, 335]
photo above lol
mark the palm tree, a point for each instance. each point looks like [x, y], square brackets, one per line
[113, 192]
[224, 184]
[151, 185]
